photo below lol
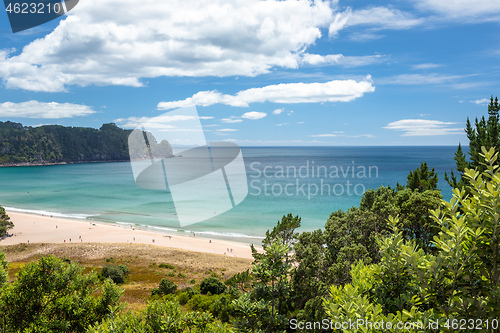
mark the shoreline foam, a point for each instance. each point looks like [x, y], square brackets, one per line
[34, 228]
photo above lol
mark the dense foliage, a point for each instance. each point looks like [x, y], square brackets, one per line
[484, 133]
[5, 223]
[212, 285]
[165, 287]
[52, 295]
[56, 144]
[117, 273]
[446, 289]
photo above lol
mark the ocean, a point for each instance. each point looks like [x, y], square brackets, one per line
[310, 182]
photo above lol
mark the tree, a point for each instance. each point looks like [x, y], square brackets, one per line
[310, 277]
[484, 133]
[116, 273]
[460, 281]
[415, 215]
[213, 285]
[284, 230]
[241, 280]
[54, 296]
[5, 223]
[272, 272]
[421, 179]
[165, 287]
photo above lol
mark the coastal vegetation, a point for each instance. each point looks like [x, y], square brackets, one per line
[5, 223]
[47, 144]
[403, 260]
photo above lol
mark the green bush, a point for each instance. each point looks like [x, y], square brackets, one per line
[183, 298]
[115, 273]
[53, 296]
[166, 266]
[212, 285]
[201, 302]
[166, 287]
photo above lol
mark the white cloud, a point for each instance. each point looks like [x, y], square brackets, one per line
[118, 42]
[332, 134]
[418, 79]
[278, 111]
[364, 36]
[282, 124]
[254, 115]
[423, 127]
[329, 135]
[286, 93]
[483, 101]
[479, 9]
[162, 122]
[368, 136]
[227, 130]
[231, 120]
[375, 17]
[52, 110]
[425, 66]
[341, 60]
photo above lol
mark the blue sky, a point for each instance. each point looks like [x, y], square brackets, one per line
[272, 73]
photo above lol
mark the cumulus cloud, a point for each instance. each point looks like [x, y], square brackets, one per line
[52, 110]
[286, 93]
[254, 115]
[423, 127]
[278, 111]
[120, 42]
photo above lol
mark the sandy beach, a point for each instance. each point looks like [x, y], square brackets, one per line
[30, 228]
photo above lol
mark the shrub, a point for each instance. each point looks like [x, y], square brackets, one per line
[201, 302]
[166, 266]
[183, 298]
[53, 296]
[115, 273]
[166, 287]
[212, 285]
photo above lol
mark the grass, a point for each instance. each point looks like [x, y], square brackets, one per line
[145, 274]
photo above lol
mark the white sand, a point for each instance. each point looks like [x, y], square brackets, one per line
[45, 229]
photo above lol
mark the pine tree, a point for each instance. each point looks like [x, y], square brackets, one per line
[484, 133]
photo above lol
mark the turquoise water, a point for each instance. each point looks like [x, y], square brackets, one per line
[281, 180]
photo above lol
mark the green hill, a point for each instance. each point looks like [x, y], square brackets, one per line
[58, 144]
